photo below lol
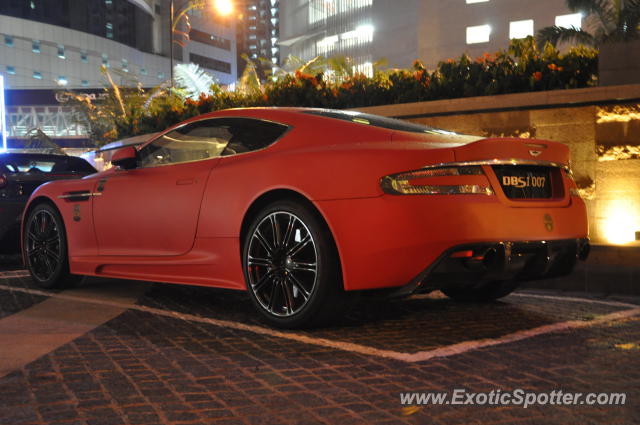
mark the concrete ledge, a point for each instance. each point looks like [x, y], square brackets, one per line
[608, 270]
[529, 100]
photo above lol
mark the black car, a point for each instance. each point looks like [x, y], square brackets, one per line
[20, 174]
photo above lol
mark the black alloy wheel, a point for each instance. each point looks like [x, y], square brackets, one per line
[45, 248]
[291, 267]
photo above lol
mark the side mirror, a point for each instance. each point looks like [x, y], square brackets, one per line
[125, 158]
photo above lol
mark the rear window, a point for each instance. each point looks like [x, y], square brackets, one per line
[377, 121]
[20, 163]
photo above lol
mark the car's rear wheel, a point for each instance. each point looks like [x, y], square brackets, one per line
[45, 248]
[484, 293]
[291, 266]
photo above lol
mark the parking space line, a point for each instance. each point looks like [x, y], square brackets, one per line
[40, 329]
[574, 299]
[420, 356]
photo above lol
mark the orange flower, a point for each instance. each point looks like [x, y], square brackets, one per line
[265, 97]
[537, 76]
[560, 69]
[418, 75]
[450, 60]
[552, 66]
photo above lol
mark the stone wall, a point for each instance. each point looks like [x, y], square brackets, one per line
[600, 125]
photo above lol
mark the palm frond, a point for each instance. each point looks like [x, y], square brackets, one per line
[555, 35]
[313, 66]
[605, 10]
[341, 66]
[249, 81]
[192, 79]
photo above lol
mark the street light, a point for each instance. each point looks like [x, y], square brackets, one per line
[222, 8]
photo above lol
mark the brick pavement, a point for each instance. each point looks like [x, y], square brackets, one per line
[142, 368]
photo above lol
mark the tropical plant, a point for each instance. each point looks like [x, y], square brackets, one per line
[249, 81]
[192, 80]
[122, 112]
[611, 20]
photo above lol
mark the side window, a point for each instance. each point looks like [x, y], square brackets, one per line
[196, 141]
[251, 135]
[209, 139]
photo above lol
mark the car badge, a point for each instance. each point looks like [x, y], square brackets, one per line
[534, 153]
[548, 222]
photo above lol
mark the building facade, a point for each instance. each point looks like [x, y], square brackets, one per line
[49, 45]
[405, 30]
[258, 31]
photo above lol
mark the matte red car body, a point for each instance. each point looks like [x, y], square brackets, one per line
[182, 223]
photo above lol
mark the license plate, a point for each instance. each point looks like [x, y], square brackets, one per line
[524, 181]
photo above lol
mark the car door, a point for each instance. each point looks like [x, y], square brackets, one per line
[152, 209]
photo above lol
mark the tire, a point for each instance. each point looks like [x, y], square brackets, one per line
[485, 293]
[291, 267]
[45, 248]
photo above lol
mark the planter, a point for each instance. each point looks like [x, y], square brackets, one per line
[619, 63]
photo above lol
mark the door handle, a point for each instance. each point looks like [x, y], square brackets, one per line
[184, 182]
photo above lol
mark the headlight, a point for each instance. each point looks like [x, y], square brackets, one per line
[418, 182]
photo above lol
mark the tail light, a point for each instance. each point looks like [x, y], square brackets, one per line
[443, 180]
[573, 187]
[3, 181]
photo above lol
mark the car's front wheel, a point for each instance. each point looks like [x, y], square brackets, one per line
[291, 266]
[45, 248]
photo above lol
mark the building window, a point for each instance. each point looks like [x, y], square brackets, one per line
[62, 80]
[210, 63]
[210, 39]
[573, 20]
[125, 65]
[84, 57]
[37, 75]
[105, 60]
[161, 75]
[8, 40]
[11, 70]
[478, 34]
[84, 83]
[476, 1]
[35, 46]
[109, 30]
[61, 51]
[143, 71]
[521, 29]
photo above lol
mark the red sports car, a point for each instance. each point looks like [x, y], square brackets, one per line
[301, 207]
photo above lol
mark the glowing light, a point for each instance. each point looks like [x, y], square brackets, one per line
[620, 226]
[223, 7]
[521, 29]
[478, 34]
[3, 124]
[573, 20]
